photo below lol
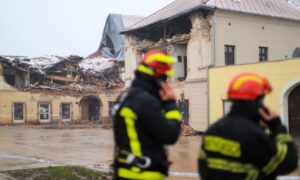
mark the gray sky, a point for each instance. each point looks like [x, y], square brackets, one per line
[61, 27]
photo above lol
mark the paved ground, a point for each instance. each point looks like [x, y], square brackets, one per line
[34, 146]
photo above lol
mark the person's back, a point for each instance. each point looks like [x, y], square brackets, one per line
[238, 147]
[146, 119]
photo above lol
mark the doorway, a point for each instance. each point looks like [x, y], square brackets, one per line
[294, 113]
[90, 108]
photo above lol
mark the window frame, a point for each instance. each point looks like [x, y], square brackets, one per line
[70, 111]
[263, 53]
[17, 121]
[229, 54]
[49, 112]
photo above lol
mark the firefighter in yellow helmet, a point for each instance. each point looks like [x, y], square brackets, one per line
[145, 120]
[250, 142]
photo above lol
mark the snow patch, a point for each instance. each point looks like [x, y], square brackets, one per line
[97, 64]
[293, 4]
[238, 1]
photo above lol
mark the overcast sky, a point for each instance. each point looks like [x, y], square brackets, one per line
[61, 27]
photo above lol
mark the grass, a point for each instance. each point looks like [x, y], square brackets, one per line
[58, 173]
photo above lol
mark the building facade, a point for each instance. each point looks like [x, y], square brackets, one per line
[208, 33]
[284, 76]
[48, 105]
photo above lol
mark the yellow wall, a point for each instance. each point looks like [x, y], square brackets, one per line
[280, 74]
[10, 95]
[32, 100]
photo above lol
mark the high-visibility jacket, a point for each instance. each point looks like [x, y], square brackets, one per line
[236, 147]
[143, 125]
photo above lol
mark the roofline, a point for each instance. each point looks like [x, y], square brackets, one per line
[252, 63]
[204, 7]
[265, 15]
[207, 8]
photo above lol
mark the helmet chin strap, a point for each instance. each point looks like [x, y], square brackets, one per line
[249, 108]
[163, 78]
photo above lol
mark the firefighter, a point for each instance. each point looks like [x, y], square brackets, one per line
[145, 120]
[250, 142]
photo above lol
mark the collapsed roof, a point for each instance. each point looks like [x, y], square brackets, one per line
[72, 73]
[112, 42]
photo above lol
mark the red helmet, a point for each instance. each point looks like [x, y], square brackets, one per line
[156, 63]
[248, 86]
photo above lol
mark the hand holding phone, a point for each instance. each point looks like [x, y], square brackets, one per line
[267, 114]
[166, 92]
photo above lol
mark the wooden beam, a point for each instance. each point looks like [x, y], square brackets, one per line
[60, 78]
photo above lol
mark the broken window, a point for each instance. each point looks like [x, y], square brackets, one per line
[9, 75]
[229, 54]
[19, 112]
[65, 111]
[14, 77]
[157, 31]
[44, 111]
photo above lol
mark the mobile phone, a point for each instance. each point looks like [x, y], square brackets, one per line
[265, 109]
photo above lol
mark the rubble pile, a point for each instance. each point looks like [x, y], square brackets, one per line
[189, 131]
[70, 75]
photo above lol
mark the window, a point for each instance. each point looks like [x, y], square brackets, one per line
[181, 70]
[44, 111]
[226, 106]
[65, 111]
[229, 54]
[263, 53]
[179, 59]
[19, 112]
[185, 66]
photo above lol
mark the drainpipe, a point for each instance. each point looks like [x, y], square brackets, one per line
[213, 63]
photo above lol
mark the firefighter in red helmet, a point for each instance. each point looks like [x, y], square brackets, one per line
[145, 120]
[250, 142]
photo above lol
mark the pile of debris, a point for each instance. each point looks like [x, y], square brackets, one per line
[70, 75]
[189, 131]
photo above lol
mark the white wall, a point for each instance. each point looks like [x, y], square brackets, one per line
[247, 34]
[179, 50]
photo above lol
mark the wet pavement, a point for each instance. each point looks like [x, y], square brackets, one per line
[34, 146]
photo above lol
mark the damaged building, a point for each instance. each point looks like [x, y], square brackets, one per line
[53, 88]
[202, 34]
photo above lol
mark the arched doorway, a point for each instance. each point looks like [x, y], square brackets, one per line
[293, 112]
[90, 108]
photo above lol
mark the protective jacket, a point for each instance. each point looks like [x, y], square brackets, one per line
[236, 147]
[143, 125]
